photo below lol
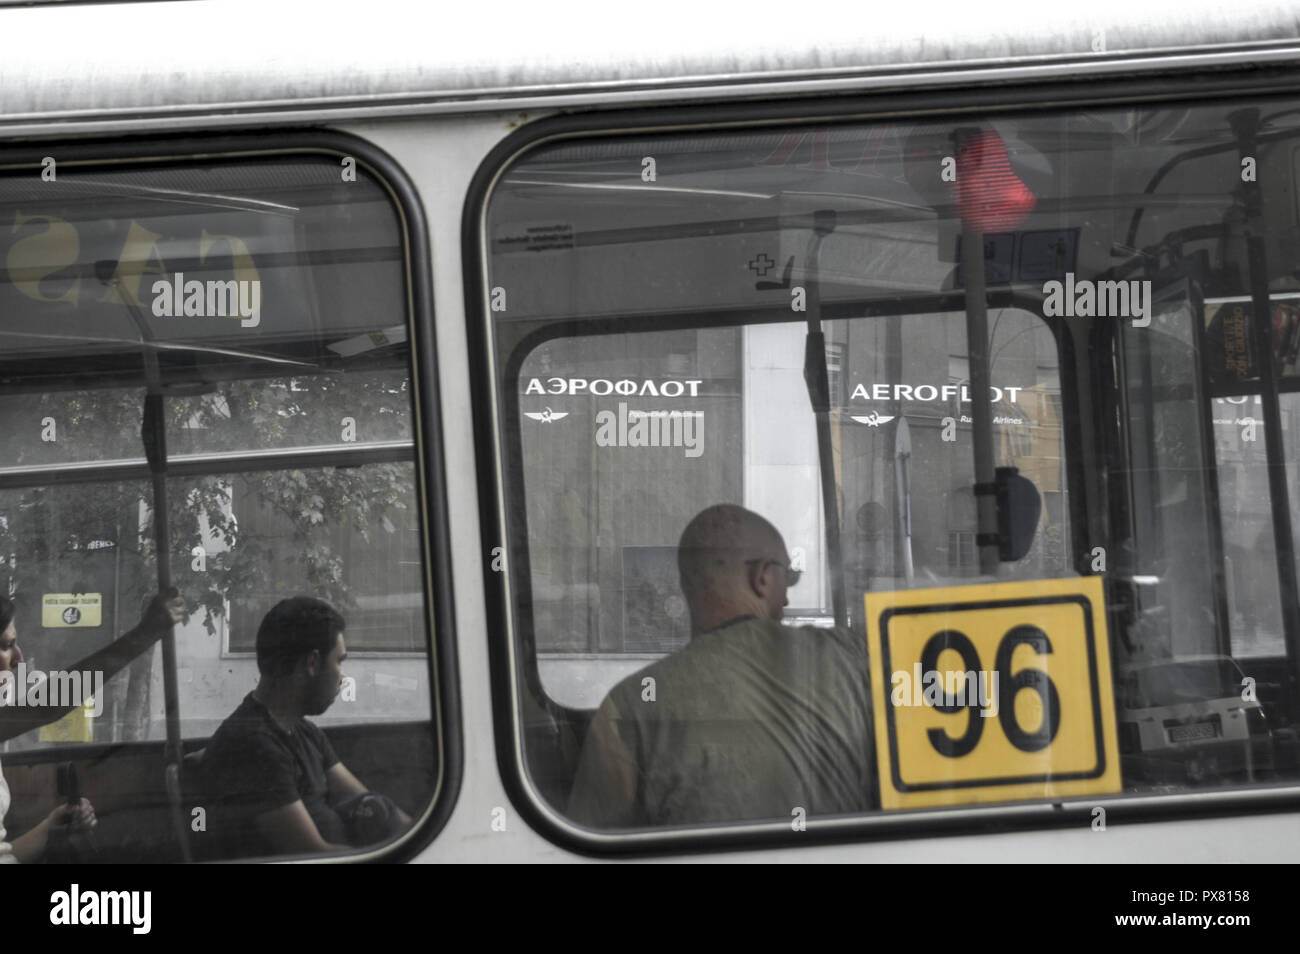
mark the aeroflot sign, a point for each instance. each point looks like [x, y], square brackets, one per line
[624, 387]
[926, 392]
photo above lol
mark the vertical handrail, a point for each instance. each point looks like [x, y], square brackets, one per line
[153, 435]
[817, 380]
[977, 352]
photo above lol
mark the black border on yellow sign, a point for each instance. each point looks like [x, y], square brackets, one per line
[1085, 606]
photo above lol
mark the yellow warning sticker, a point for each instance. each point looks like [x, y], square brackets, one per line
[60, 610]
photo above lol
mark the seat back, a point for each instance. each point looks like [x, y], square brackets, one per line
[197, 808]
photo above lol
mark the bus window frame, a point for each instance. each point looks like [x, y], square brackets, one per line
[426, 452]
[1054, 94]
[1123, 505]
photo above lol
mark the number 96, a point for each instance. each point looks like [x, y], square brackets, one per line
[1009, 686]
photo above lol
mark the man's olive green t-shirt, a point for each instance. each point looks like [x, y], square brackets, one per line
[753, 720]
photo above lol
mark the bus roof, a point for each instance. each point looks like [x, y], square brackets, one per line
[86, 68]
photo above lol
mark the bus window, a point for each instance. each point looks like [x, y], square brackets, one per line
[264, 305]
[674, 301]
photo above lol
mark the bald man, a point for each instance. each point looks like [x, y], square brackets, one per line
[752, 720]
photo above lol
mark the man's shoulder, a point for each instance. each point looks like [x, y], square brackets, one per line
[244, 729]
[742, 639]
[770, 637]
[247, 715]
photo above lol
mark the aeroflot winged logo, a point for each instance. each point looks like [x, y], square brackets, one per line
[873, 419]
[178, 298]
[546, 416]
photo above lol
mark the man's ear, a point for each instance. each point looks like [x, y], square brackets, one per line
[760, 579]
[313, 663]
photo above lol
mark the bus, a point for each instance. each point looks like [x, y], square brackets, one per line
[455, 320]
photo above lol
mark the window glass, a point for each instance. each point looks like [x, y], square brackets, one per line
[263, 306]
[662, 311]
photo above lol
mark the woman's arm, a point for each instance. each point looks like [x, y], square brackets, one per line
[160, 615]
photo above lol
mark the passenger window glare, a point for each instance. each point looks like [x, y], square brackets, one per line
[1038, 565]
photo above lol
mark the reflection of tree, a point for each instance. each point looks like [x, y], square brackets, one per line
[315, 506]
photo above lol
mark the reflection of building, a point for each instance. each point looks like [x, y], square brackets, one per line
[603, 521]
[929, 354]
[963, 555]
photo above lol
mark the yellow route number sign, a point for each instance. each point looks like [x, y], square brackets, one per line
[60, 610]
[992, 693]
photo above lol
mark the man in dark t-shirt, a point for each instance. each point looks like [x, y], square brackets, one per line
[277, 785]
[260, 768]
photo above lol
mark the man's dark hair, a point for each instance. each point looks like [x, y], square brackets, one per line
[6, 612]
[293, 629]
